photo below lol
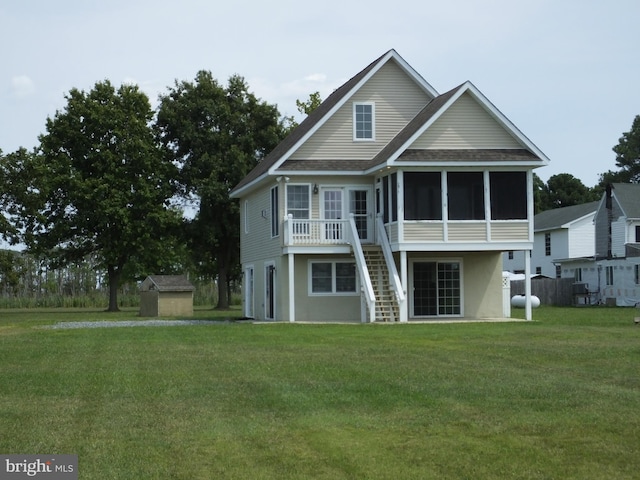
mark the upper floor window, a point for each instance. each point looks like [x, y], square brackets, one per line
[508, 195]
[466, 195]
[298, 201]
[547, 244]
[363, 121]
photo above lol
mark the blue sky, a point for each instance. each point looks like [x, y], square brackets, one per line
[566, 72]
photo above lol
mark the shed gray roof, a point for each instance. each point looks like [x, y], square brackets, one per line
[557, 217]
[167, 283]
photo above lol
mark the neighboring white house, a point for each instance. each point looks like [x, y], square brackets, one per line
[612, 275]
[559, 233]
[389, 202]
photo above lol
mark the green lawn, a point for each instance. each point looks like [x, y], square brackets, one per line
[557, 398]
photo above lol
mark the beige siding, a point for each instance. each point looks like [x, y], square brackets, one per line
[256, 242]
[465, 125]
[397, 100]
[392, 232]
[467, 232]
[482, 286]
[423, 232]
[322, 308]
[510, 231]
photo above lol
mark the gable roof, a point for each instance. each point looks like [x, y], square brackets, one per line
[628, 197]
[167, 283]
[400, 145]
[321, 114]
[562, 217]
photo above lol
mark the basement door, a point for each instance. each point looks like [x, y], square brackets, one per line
[436, 289]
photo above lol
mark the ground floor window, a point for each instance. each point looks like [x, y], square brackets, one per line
[636, 274]
[436, 289]
[332, 277]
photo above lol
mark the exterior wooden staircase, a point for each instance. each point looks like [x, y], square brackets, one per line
[387, 309]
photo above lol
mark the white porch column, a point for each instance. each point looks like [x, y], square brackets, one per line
[527, 284]
[292, 296]
[404, 306]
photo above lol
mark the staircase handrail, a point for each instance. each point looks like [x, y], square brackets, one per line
[383, 240]
[361, 263]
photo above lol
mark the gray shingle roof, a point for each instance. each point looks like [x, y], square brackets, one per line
[628, 196]
[555, 218]
[307, 124]
[167, 283]
[467, 155]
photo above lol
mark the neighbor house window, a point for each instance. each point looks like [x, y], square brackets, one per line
[547, 244]
[609, 275]
[423, 196]
[510, 254]
[577, 274]
[508, 195]
[637, 233]
[558, 271]
[466, 195]
[275, 221]
[538, 270]
[363, 121]
[636, 274]
[333, 277]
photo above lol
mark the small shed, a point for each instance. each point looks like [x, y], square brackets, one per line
[166, 296]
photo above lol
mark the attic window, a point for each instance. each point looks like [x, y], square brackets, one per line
[363, 121]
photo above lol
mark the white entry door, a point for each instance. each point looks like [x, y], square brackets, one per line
[332, 213]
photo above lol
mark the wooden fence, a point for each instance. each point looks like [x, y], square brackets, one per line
[550, 291]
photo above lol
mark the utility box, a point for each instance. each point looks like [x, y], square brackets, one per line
[166, 296]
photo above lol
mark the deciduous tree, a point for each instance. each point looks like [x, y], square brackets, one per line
[216, 135]
[99, 185]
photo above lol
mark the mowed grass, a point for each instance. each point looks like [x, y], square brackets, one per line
[557, 398]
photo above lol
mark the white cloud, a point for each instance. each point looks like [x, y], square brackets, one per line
[22, 86]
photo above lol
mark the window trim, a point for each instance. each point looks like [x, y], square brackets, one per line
[373, 122]
[308, 186]
[333, 292]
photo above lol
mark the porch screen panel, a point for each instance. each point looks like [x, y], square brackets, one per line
[466, 195]
[508, 195]
[422, 196]
[358, 206]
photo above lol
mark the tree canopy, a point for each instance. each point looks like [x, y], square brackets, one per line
[98, 184]
[627, 157]
[216, 135]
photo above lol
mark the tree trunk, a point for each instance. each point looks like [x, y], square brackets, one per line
[223, 297]
[114, 281]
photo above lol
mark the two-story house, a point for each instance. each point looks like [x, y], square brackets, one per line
[612, 275]
[389, 202]
[566, 233]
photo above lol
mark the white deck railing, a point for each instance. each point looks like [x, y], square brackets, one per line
[316, 232]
